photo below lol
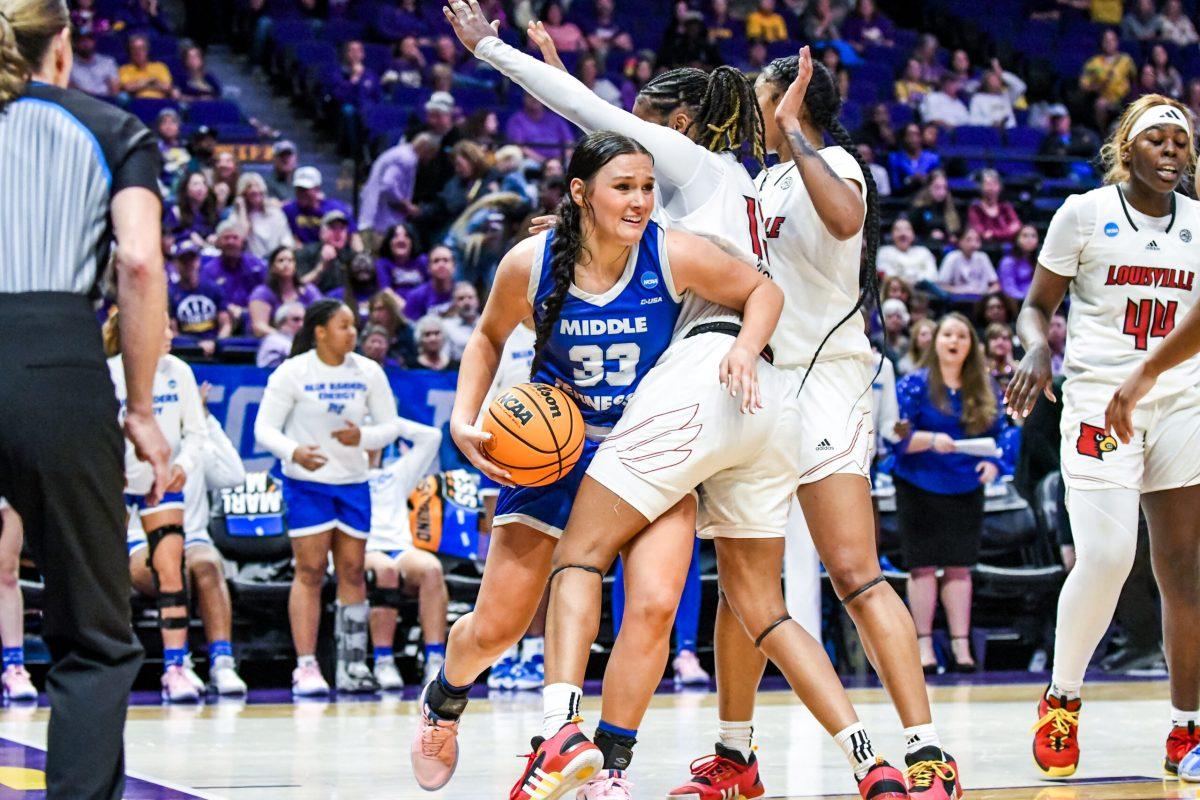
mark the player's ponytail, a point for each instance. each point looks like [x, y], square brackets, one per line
[824, 105]
[26, 29]
[568, 245]
[724, 111]
[316, 315]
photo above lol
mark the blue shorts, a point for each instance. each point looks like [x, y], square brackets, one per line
[544, 508]
[170, 500]
[317, 507]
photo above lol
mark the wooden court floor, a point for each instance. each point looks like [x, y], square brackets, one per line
[336, 750]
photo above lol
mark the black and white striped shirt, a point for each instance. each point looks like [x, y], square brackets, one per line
[63, 156]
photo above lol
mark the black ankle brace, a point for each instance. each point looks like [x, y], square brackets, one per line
[617, 749]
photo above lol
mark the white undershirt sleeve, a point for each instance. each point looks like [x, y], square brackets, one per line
[412, 466]
[277, 403]
[386, 424]
[223, 466]
[191, 417]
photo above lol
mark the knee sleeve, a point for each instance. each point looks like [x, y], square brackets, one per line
[168, 600]
[380, 597]
[1105, 527]
[153, 540]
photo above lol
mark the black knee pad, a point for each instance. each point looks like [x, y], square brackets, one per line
[153, 540]
[770, 628]
[586, 568]
[173, 600]
[862, 589]
[379, 597]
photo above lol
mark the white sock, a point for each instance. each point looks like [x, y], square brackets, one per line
[532, 646]
[1181, 719]
[919, 736]
[560, 705]
[306, 661]
[736, 736]
[857, 746]
[1064, 689]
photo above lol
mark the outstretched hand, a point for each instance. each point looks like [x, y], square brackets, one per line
[470, 25]
[790, 105]
[537, 35]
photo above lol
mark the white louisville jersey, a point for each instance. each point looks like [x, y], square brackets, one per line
[1133, 277]
[177, 410]
[730, 217]
[817, 273]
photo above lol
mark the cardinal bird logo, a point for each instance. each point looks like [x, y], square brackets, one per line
[1094, 441]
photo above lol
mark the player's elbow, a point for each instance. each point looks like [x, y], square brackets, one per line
[140, 265]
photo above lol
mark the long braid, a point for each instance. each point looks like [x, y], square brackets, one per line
[725, 113]
[566, 247]
[824, 105]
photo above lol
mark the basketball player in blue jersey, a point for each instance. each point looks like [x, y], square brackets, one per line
[606, 262]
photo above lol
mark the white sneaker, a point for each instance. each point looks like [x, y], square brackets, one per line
[225, 678]
[433, 666]
[18, 686]
[1189, 765]
[530, 674]
[387, 676]
[354, 677]
[688, 671]
[503, 673]
[607, 784]
[177, 687]
[308, 681]
[189, 669]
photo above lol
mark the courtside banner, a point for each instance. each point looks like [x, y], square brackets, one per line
[421, 396]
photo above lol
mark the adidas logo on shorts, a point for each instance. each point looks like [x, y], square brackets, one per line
[824, 445]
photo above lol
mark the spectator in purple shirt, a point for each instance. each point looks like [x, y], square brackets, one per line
[374, 345]
[541, 133]
[235, 271]
[358, 83]
[387, 196]
[310, 206]
[280, 287]
[396, 266]
[910, 166]
[195, 216]
[867, 26]
[402, 19]
[436, 295]
[276, 346]
[1017, 267]
[196, 305]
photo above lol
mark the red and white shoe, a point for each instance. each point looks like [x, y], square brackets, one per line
[932, 775]
[558, 765]
[434, 750]
[883, 782]
[1181, 741]
[724, 774]
[1056, 736]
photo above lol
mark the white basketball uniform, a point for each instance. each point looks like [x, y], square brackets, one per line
[1133, 277]
[391, 485]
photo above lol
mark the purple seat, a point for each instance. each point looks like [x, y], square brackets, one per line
[146, 109]
[900, 114]
[976, 136]
[214, 112]
[1024, 138]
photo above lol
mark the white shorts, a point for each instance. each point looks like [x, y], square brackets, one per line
[682, 430]
[1163, 453]
[838, 435]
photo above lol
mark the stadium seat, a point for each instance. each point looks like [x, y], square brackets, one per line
[213, 112]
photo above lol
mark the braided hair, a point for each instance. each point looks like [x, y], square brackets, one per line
[824, 104]
[568, 242]
[724, 111]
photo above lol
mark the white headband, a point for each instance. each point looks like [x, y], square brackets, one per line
[1161, 114]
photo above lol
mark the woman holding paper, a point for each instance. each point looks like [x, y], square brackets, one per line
[950, 403]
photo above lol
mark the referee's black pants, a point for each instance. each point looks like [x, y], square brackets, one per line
[61, 468]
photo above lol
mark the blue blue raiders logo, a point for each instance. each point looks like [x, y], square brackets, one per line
[337, 408]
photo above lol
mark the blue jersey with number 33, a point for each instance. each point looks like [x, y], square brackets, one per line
[602, 344]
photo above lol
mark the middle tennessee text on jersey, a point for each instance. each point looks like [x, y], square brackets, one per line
[604, 343]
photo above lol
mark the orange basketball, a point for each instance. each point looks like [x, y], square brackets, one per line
[537, 433]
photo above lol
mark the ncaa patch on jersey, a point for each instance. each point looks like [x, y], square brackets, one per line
[649, 280]
[1185, 235]
[1111, 229]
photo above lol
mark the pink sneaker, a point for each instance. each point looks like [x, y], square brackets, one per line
[688, 671]
[177, 687]
[17, 684]
[307, 681]
[434, 751]
[607, 784]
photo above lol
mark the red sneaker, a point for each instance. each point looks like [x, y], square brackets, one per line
[1056, 736]
[558, 765]
[1182, 740]
[883, 782]
[932, 775]
[723, 775]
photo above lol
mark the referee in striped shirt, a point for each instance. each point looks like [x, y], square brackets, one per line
[75, 173]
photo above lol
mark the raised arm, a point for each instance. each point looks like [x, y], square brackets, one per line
[677, 159]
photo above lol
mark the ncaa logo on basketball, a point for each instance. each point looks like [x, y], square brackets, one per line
[649, 280]
[513, 405]
[1185, 235]
[1111, 230]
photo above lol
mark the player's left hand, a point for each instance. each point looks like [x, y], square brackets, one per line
[177, 480]
[470, 25]
[1118, 417]
[538, 35]
[987, 472]
[739, 375]
[350, 435]
[788, 110]
[545, 222]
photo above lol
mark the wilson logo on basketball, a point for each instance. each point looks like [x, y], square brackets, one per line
[1094, 442]
[547, 395]
[514, 406]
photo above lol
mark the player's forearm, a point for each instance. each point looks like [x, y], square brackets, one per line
[760, 315]
[1033, 324]
[838, 206]
[1179, 345]
[481, 359]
